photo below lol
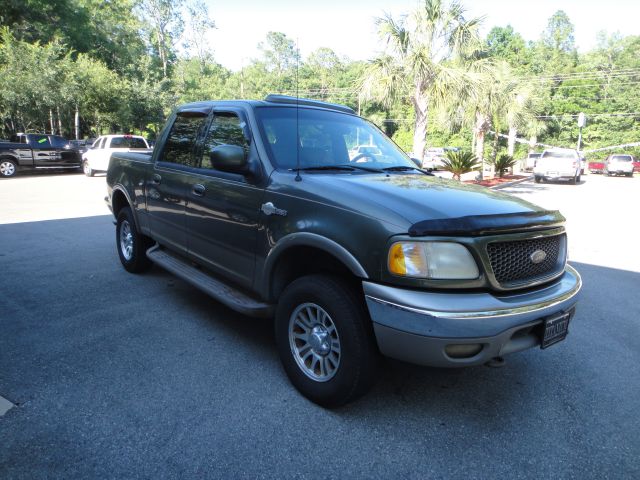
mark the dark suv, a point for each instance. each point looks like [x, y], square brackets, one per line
[271, 208]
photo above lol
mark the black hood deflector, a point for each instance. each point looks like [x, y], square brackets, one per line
[488, 224]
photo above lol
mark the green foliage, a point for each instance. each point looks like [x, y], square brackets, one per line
[123, 65]
[460, 162]
[503, 163]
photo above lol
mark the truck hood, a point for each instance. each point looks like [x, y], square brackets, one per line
[412, 198]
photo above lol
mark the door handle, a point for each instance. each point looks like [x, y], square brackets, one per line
[156, 179]
[198, 190]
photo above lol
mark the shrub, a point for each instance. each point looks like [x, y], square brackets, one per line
[460, 163]
[503, 163]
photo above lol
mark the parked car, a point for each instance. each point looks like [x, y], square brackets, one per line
[530, 161]
[352, 259]
[619, 164]
[434, 156]
[558, 164]
[596, 167]
[96, 158]
[33, 151]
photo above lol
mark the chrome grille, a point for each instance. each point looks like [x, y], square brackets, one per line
[511, 261]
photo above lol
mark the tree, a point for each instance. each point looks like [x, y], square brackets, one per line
[199, 25]
[419, 62]
[166, 27]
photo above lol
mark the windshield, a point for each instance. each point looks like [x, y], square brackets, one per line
[326, 138]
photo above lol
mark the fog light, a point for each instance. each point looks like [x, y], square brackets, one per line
[466, 350]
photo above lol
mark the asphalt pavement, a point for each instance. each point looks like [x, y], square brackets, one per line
[115, 375]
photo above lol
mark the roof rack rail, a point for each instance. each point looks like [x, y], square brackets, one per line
[305, 101]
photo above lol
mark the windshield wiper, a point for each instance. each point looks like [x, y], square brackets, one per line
[339, 167]
[406, 168]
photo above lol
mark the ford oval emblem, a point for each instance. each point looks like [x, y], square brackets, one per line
[538, 256]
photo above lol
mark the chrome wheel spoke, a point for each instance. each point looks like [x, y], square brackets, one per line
[314, 342]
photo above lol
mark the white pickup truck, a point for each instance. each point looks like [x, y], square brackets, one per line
[96, 159]
[558, 164]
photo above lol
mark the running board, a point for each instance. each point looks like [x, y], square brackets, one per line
[229, 296]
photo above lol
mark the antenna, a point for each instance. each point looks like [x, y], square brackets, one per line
[298, 177]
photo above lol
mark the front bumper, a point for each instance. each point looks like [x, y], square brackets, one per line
[420, 327]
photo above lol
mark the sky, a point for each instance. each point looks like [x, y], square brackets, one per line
[348, 26]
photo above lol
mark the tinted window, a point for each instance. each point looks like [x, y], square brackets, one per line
[39, 141]
[182, 138]
[325, 138]
[559, 154]
[58, 142]
[226, 129]
[621, 158]
[128, 142]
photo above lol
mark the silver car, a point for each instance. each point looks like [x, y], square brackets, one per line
[619, 165]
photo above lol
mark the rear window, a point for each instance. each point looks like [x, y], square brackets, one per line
[558, 154]
[621, 158]
[128, 142]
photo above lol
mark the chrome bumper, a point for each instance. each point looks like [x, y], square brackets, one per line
[417, 326]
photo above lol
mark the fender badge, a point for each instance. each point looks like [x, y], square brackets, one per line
[538, 256]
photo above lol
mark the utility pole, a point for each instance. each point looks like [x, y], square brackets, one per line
[582, 121]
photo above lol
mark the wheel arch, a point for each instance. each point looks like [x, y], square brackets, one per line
[120, 199]
[305, 253]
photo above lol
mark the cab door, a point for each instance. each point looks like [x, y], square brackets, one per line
[172, 175]
[223, 208]
[44, 154]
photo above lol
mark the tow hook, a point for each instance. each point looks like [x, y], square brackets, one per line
[496, 362]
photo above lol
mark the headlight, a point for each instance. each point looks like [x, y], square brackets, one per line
[433, 260]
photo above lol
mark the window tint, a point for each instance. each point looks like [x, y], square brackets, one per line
[58, 141]
[182, 139]
[558, 154]
[621, 158]
[100, 142]
[128, 142]
[320, 138]
[39, 141]
[226, 129]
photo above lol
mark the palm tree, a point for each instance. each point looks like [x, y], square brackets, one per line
[420, 61]
[460, 163]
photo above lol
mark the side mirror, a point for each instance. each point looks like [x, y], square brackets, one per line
[417, 162]
[229, 158]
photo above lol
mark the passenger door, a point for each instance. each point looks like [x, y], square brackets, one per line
[172, 175]
[44, 154]
[223, 208]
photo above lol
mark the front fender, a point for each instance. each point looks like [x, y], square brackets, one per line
[306, 239]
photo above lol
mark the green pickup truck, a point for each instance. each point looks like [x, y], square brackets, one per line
[273, 209]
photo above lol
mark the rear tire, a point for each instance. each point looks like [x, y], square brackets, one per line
[537, 179]
[325, 340]
[8, 168]
[132, 245]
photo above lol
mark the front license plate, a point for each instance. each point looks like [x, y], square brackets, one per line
[556, 329]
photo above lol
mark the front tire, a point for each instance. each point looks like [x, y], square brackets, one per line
[8, 168]
[131, 244]
[86, 168]
[325, 340]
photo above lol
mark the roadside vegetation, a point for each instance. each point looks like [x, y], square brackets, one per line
[86, 67]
